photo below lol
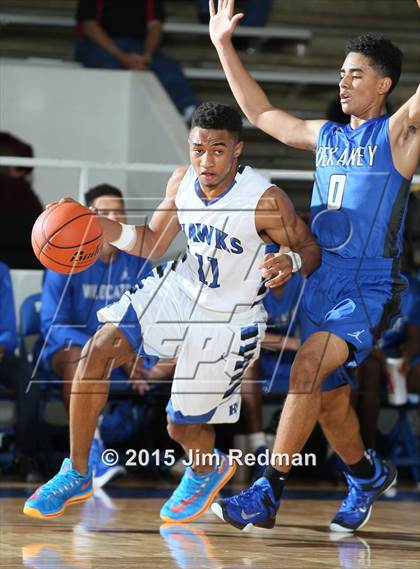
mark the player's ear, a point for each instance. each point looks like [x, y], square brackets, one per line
[385, 85]
[238, 149]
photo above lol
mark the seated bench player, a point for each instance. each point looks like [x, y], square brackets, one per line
[16, 374]
[400, 341]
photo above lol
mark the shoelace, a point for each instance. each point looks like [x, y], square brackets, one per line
[189, 486]
[58, 484]
[356, 497]
[250, 497]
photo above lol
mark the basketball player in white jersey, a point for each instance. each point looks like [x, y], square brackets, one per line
[204, 310]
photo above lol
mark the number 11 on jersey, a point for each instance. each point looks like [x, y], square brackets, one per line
[213, 269]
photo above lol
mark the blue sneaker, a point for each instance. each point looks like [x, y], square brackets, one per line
[102, 472]
[255, 506]
[67, 487]
[356, 508]
[196, 492]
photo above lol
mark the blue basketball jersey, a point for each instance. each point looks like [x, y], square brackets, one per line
[70, 302]
[359, 199]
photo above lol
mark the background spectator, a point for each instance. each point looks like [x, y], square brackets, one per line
[19, 207]
[16, 374]
[116, 34]
[400, 341]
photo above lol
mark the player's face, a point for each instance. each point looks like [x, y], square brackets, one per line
[214, 155]
[362, 88]
[111, 207]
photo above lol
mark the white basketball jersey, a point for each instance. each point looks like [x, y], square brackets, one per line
[220, 268]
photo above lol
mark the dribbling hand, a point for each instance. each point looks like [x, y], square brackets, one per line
[62, 200]
[223, 22]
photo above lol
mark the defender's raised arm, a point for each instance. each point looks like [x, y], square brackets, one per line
[404, 130]
[251, 98]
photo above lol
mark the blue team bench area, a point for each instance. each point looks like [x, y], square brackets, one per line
[133, 416]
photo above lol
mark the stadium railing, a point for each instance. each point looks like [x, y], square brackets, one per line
[85, 166]
[299, 35]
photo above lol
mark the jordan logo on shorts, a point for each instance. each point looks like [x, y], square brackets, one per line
[356, 335]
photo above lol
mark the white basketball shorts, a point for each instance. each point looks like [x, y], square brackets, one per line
[212, 349]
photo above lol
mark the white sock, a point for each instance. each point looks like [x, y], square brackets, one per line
[256, 440]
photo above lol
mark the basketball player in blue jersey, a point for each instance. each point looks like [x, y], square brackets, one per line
[358, 209]
[204, 310]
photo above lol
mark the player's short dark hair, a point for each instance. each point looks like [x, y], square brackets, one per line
[385, 56]
[102, 190]
[215, 116]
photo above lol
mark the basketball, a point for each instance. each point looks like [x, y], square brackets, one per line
[67, 238]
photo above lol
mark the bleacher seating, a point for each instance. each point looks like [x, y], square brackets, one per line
[300, 84]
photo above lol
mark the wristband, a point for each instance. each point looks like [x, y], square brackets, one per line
[296, 261]
[127, 239]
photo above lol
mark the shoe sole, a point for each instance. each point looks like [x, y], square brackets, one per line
[218, 510]
[34, 513]
[229, 473]
[343, 529]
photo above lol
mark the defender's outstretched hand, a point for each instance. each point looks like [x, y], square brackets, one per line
[223, 21]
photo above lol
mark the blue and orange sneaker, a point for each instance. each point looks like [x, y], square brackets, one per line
[254, 506]
[356, 508]
[67, 487]
[196, 492]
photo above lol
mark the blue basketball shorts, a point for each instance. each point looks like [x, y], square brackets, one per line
[353, 299]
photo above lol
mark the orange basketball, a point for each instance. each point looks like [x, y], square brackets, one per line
[67, 238]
